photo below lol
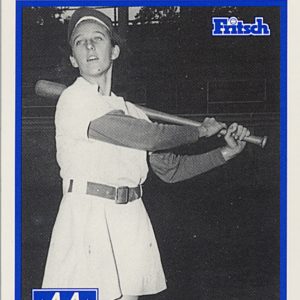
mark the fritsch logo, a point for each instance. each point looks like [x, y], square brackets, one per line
[223, 26]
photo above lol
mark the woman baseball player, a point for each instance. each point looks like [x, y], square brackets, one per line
[102, 236]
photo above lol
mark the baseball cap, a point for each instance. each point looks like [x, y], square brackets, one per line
[86, 13]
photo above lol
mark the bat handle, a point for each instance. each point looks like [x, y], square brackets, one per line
[260, 141]
[257, 140]
[164, 117]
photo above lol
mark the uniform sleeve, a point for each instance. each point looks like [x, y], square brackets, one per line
[74, 112]
[173, 168]
[123, 130]
[71, 118]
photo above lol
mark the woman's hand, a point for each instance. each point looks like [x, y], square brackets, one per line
[210, 127]
[234, 139]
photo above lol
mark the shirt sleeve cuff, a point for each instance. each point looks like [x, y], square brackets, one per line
[217, 157]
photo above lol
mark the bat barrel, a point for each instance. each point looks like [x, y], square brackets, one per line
[49, 89]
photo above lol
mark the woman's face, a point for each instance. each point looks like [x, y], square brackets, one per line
[92, 49]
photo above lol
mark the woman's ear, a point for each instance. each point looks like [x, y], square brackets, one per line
[115, 52]
[73, 61]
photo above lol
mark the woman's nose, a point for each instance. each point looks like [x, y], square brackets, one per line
[90, 45]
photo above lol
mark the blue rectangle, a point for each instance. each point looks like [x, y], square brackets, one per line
[65, 294]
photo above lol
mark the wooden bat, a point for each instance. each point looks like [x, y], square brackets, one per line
[53, 90]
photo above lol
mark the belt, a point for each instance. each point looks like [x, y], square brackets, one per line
[121, 195]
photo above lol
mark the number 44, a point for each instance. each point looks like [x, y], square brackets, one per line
[56, 296]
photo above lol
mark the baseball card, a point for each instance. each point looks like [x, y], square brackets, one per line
[144, 150]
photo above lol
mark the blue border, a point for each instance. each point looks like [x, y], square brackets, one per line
[281, 3]
[18, 166]
[283, 152]
[283, 112]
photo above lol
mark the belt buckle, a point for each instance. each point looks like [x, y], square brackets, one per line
[122, 195]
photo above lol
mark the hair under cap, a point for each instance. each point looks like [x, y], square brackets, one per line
[86, 13]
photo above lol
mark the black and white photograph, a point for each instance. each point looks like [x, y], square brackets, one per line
[151, 151]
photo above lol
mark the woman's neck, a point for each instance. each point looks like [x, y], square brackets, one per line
[103, 82]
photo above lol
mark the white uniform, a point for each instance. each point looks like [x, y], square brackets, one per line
[96, 243]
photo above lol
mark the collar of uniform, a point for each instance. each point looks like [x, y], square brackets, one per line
[93, 86]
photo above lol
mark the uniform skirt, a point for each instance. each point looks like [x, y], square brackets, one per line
[96, 243]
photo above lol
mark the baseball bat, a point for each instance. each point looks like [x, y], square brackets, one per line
[53, 90]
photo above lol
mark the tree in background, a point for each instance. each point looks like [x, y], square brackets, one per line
[150, 15]
[43, 16]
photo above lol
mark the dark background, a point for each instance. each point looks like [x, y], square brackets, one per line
[219, 232]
